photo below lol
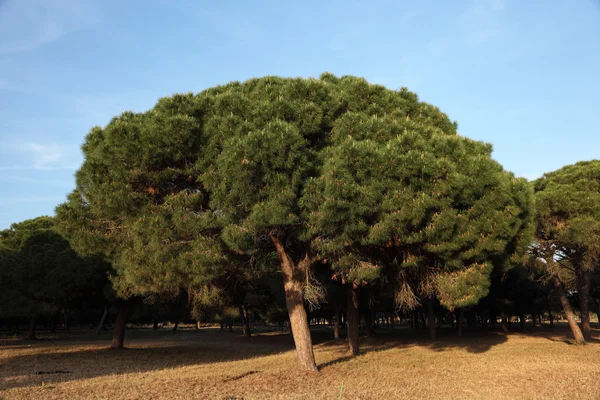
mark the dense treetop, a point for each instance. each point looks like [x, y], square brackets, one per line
[337, 165]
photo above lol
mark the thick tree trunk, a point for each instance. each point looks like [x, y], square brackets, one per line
[155, 324]
[102, 321]
[459, 321]
[579, 339]
[352, 314]
[551, 318]
[583, 289]
[31, 333]
[175, 325]
[198, 325]
[245, 320]
[452, 319]
[336, 326]
[125, 309]
[431, 319]
[293, 281]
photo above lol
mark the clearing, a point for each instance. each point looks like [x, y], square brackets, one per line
[221, 365]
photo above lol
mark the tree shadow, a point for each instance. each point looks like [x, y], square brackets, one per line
[87, 358]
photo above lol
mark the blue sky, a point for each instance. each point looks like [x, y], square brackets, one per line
[523, 75]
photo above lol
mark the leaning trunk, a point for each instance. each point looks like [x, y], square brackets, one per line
[431, 319]
[583, 289]
[579, 339]
[336, 326]
[125, 309]
[31, 334]
[102, 321]
[293, 284]
[352, 316]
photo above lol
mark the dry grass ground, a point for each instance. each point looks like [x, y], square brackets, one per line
[221, 365]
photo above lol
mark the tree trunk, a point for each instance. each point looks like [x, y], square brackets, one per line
[369, 322]
[294, 276]
[583, 289]
[198, 325]
[579, 339]
[504, 322]
[66, 320]
[452, 319]
[31, 333]
[175, 325]
[53, 322]
[431, 319]
[336, 327]
[598, 311]
[522, 321]
[154, 324]
[245, 320]
[102, 321]
[459, 321]
[551, 318]
[125, 309]
[352, 315]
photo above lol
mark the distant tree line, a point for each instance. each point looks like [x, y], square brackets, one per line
[291, 200]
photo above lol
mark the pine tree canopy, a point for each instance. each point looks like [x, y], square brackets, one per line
[367, 177]
[568, 211]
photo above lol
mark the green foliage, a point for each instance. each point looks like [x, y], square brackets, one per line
[371, 178]
[40, 273]
[568, 213]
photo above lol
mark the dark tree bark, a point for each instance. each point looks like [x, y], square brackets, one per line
[53, 322]
[597, 302]
[583, 289]
[352, 316]
[102, 321]
[369, 322]
[522, 321]
[31, 333]
[504, 322]
[245, 320]
[126, 307]
[66, 320]
[294, 276]
[336, 326]
[551, 318]
[176, 325]
[154, 324]
[431, 319]
[459, 321]
[560, 291]
[452, 319]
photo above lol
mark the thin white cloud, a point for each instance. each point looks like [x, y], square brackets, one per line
[480, 21]
[24, 179]
[31, 199]
[29, 25]
[41, 156]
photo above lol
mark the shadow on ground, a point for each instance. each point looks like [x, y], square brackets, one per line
[87, 355]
